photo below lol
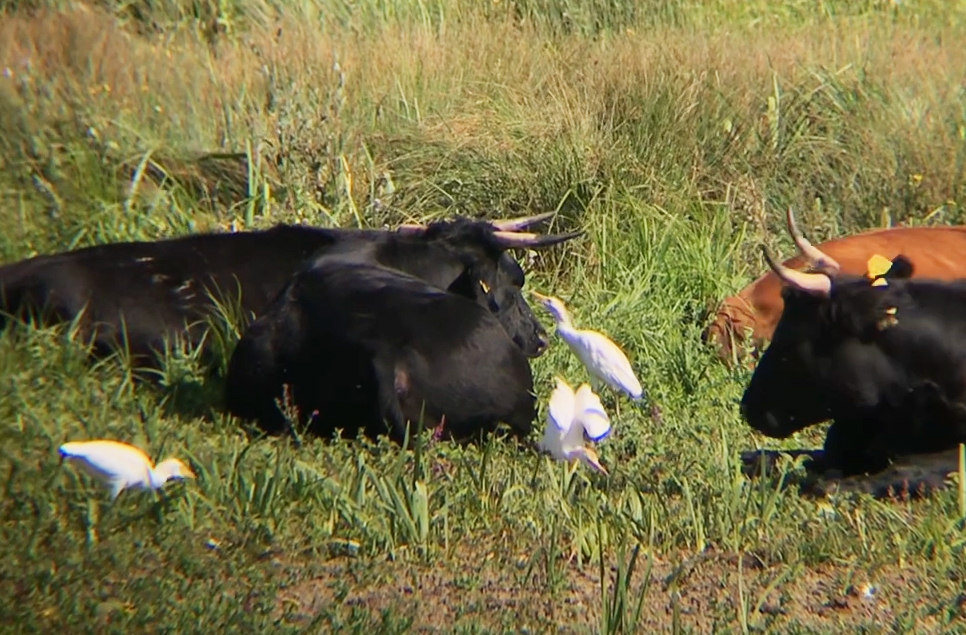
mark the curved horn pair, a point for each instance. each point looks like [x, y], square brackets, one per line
[504, 225]
[522, 240]
[516, 224]
[814, 283]
[410, 228]
[506, 232]
[820, 261]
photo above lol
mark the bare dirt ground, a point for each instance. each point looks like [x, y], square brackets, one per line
[707, 590]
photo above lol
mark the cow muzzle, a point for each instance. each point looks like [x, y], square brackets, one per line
[543, 342]
[767, 422]
[536, 347]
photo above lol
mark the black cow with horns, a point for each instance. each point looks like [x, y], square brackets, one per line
[883, 358]
[145, 293]
[371, 348]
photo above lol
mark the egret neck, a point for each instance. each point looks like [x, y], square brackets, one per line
[165, 471]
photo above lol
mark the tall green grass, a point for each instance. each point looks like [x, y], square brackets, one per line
[672, 132]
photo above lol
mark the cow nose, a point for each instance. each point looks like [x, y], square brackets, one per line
[543, 341]
[772, 421]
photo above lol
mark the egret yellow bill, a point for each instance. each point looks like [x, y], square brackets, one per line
[120, 466]
[605, 361]
[572, 418]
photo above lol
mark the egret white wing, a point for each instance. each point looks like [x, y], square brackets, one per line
[562, 405]
[116, 464]
[573, 441]
[591, 414]
[606, 359]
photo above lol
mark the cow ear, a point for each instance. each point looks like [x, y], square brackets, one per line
[449, 272]
[901, 268]
[463, 285]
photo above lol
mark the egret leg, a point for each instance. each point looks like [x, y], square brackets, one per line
[92, 521]
[573, 554]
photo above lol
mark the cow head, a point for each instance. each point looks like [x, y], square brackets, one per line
[824, 354]
[470, 258]
[733, 320]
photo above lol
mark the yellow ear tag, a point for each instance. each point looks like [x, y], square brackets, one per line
[485, 287]
[878, 266]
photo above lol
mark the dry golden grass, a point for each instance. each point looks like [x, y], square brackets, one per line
[335, 110]
[462, 83]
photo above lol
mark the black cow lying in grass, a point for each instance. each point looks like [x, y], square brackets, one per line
[145, 293]
[884, 359]
[363, 346]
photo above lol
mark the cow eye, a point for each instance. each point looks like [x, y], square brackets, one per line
[484, 286]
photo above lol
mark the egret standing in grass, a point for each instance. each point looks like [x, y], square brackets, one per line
[570, 417]
[121, 466]
[605, 361]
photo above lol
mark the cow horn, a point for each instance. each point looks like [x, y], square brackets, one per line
[506, 224]
[516, 224]
[820, 261]
[814, 283]
[510, 240]
[410, 229]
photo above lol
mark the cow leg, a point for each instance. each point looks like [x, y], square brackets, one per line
[854, 447]
[390, 384]
[911, 476]
[521, 419]
[928, 421]
[920, 422]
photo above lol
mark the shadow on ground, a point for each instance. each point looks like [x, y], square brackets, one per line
[910, 477]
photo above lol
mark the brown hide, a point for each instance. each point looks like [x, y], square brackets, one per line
[935, 252]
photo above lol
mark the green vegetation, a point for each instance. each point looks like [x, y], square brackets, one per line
[673, 131]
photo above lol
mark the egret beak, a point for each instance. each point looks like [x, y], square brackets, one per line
[544, 300]
[590, 456]
[185, 471]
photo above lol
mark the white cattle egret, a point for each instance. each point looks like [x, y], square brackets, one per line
[570, 417]
[604, 360]
[121, 466]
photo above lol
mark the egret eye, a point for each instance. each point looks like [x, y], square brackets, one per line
[484, 286]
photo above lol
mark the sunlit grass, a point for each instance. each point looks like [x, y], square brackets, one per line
[671, 132]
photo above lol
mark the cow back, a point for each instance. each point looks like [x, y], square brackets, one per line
[371, 334]
[936, 252]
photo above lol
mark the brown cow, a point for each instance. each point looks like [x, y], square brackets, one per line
[936, 252]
